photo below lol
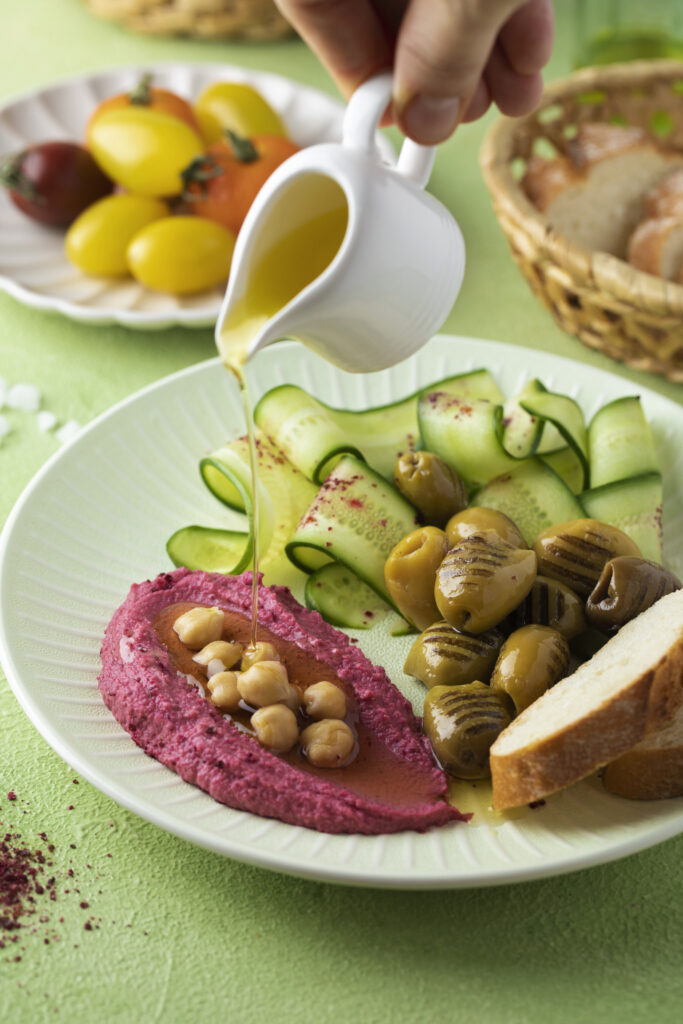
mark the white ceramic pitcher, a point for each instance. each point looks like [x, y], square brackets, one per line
[400, 264]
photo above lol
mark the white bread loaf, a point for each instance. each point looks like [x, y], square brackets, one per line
[594, 196]
[625, 692]
[666, 198]
[653, 769]
[656, 247]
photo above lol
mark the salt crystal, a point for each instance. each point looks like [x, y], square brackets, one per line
[68, 431]
[126, 649]
[46, 420]
[4, 426]
[25, 397]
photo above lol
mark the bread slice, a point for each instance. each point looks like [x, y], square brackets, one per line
[594, 196]
[625, 692]
[656, 247]
[653, 769]
[666, 198]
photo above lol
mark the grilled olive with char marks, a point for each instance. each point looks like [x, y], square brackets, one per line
[481, 580]
[549, 603]
[531, 660]
[430, 485]
[626, 587]
[441, 656]
[477, 518]
[410, 571]
[461, 723]
[575, 552]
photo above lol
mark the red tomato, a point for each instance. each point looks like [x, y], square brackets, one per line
[53, 182]
[147, 95]
[222, 184]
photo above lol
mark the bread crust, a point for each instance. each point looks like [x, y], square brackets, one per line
[655, 243]
[563, 756]
[653, 770]
[666, 198]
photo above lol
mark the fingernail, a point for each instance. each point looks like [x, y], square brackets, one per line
[430, 119]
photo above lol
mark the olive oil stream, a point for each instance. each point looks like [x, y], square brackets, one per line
[283, 270]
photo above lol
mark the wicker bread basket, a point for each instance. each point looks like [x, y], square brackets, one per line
[630, 316]
[257, 20]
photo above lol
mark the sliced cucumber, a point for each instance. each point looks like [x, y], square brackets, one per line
[568, 465]
[465, 433]
[343, 599]
[355, 519]
[532, 495]
[200, 547]
[567, 417]
[520, 431]
[633, 505]
[620, 442]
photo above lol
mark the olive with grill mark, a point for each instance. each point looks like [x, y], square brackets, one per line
[410, 571]
[477, 518]
[626, 587]
[430, 485]
[549, 603]
[575, 552]
[441, 656]
[481, 580]
[531, 660]
[461, 723]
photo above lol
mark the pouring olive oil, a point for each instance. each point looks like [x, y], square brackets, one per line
[282, 269]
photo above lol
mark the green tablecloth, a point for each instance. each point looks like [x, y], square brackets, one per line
[173, 932]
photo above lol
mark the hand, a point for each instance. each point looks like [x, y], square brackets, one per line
[451, 58]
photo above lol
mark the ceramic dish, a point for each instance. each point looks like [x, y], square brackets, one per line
[96, 519]
[33, 267]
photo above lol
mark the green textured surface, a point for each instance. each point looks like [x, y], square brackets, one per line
[180, 934]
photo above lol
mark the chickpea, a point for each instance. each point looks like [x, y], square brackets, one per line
[328, 744]
[276, 727]
[264, 683]
[218, 656]
[261, 651]
[324, 700]
[223, 689]
[199, 626]
[293, 699]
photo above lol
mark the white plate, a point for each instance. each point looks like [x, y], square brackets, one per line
[96, 519]
[33, 267]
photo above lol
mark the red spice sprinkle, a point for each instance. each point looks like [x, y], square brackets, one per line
[11, 795]
[84, 904]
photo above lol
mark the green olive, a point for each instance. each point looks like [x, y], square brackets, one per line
[441, 656]
[430, 485]
[575, 552]
[461, 723]
[531, 660]
[481, 580]
[478, 518]
[549, 603]
[410, 571]
[626, 587]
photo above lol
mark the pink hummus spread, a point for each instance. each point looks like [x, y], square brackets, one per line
[147, 682]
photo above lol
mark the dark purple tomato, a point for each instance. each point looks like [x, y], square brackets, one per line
[53, 182]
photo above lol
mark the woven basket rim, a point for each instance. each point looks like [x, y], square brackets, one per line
[609, 273]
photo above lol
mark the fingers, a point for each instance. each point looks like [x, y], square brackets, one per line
[514, 94]
[442, 49]
[348, 36]
[527, 36]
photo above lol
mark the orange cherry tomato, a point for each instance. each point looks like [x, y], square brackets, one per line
[222, 184]
[147, 95]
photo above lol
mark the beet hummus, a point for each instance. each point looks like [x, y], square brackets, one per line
[392, 785]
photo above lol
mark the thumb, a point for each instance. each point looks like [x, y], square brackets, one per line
[441, 52]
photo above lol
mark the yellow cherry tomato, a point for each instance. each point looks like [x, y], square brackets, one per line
[181, 255]
[237, 106]
[142, 149]
[97, 241]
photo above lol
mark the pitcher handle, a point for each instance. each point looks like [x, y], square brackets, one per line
[362, 117]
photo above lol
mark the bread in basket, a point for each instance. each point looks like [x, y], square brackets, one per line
[610, 305]
[257, 20]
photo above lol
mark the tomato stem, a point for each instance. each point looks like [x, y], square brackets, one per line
[243, 149]
[141, 95]
[198, 172]
[12, 177]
